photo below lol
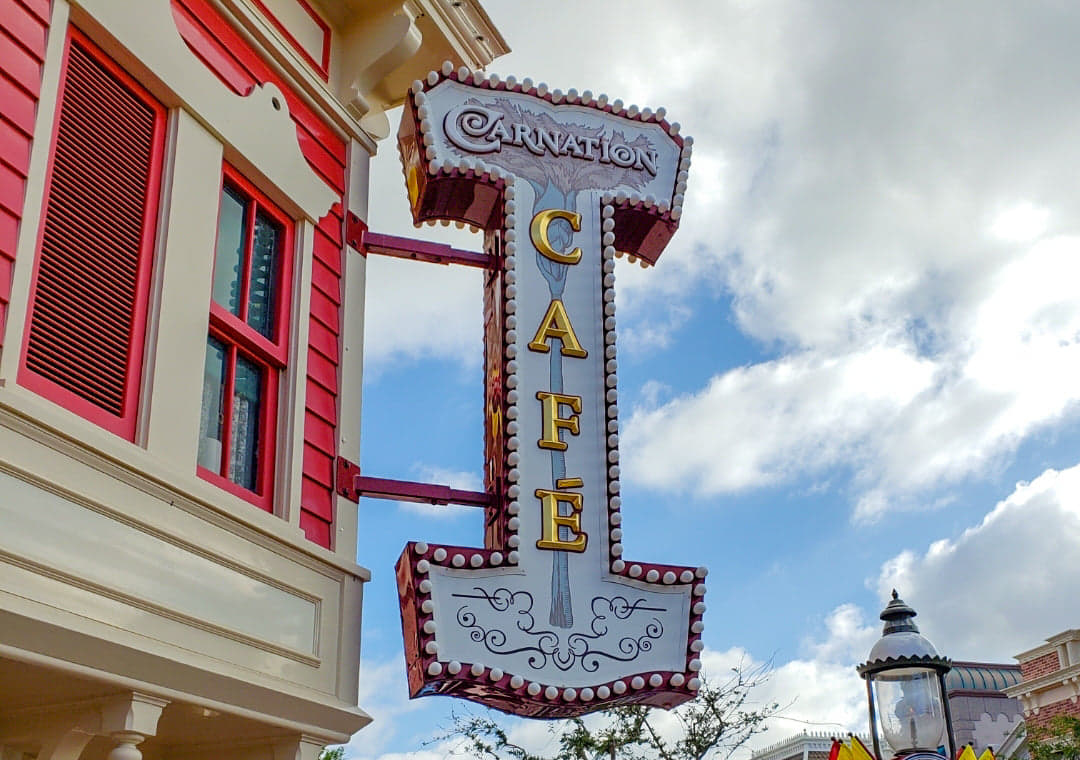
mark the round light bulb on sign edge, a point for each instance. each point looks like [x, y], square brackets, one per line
[516, 682]
[699, 608]
[694, 665]
[429, 627]
[453, 668]
[652, 576]
[513, 491]
[613, 455]
[686, 577]
[533, 688]
[513, 542]
[420, 547]
[693, 684]
[458, 560]
[431, 648]
[512, 558]
[587, 694]
[495, 674]
[616, 534]
[477, 670]
[427, 606]
[616, 550]
[669, 578]
[655, 680]
[603, 692]
[569, 694]
[635, 571]
[619, 687]
[476, 560]
[677, 680]
[496, 558]
[697, 646]
[637, 683]
[701, 572]
[697, 627]
[439, 555]
[434, 669]
[423, 566]
[551, 692]
[618, 566]
[425, 586]
[699, 590]
[513, 507]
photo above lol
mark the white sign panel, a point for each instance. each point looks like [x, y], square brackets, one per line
[548, 619]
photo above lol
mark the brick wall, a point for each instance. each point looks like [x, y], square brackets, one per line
[1064, 707]
[1040, 666]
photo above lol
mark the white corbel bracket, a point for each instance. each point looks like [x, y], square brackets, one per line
[373, 49]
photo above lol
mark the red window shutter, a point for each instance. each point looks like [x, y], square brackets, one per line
[85, 334]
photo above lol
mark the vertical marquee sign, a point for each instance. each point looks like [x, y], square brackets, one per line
[548, 619]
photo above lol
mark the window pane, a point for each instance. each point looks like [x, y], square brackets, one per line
[229, 258]
[246, 410]
[262, 294]
[210, 419]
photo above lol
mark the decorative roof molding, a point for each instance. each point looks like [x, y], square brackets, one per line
[468, 24]
[1051, 645]
[813, 741]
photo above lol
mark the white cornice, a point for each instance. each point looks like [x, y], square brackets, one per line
[468, 27]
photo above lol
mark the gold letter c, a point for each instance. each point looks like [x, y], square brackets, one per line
[539, 234]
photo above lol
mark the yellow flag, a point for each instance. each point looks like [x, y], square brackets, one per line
[859, 750]
[967, 754]
[986, 755]
[844, 753]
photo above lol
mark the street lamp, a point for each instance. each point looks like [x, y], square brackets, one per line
[905, 688]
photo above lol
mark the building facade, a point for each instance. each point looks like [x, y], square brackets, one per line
[182, 185]
[983, 713]
[1050, 685]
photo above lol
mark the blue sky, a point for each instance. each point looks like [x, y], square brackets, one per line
[854, 367]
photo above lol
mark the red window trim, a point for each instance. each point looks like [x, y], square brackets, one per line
[323, 67]
[270, 355]
[125, 425]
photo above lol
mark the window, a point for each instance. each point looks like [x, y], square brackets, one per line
[247, 346]
[83, 345]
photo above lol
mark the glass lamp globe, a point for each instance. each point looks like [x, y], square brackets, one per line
[906, 687]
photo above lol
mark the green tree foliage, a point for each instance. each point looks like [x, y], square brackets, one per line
[1059, 739]
[720, 720]
[332, 753]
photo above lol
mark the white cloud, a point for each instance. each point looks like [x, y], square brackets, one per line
[1020, 223]
[765, 423]
[1004, 585]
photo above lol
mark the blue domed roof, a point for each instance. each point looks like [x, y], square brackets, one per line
[981, 676]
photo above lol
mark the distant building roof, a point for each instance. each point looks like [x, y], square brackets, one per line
[982, 676]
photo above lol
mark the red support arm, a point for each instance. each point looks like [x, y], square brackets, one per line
[352, 485]
[365, 241]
